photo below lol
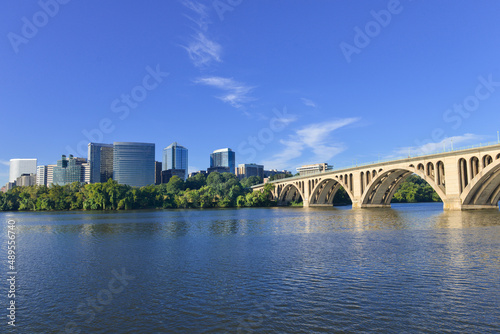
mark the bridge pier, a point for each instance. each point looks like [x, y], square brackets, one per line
[452, 204]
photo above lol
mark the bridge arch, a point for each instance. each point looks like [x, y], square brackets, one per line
[430, 170]
[290, 192]
[484, 190]
[382, 188]
[440, 175]
[362, 183]
[487, 159]
[474, 167]
[325, 190]
[462, 174]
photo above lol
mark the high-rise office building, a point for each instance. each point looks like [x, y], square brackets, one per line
[247, 170]
[175, 157]
[71, 169]
[66, 171]
[21, 166]
[158, 170]
[134, 163]
[50, 174]
[100, 158]
[85, 176]
[224, 158]
[106, 163]
[41, 175]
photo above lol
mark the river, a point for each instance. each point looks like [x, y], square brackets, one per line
[412, 268]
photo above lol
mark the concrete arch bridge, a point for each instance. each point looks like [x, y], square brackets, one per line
[464, 179]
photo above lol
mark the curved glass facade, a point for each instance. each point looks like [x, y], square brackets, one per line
[21, 166]
[223, 158]
[134, 163]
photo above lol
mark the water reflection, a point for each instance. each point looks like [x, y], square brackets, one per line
[224, 227]
[276, 221]
[467, 219]
[411, 268]
[377, 219]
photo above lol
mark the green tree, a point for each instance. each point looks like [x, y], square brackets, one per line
[175, 185]
[250, 181]
[240, 201]
[196, 182]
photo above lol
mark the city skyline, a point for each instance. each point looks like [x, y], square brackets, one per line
[333, 82]
[99, 164]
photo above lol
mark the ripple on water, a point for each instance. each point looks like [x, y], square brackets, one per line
[406, 269]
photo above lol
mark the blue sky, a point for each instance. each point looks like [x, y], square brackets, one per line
[284, 83]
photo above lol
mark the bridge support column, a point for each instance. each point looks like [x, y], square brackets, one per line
[356, 202]
[305, 200]
[452, 203]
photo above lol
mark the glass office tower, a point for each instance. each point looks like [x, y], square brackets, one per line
[100, 157]
[134, 163]
[106, 163]
[175, 157]
[69, 170]
[223, 158]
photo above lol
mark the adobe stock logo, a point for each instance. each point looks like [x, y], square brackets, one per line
[29, 29]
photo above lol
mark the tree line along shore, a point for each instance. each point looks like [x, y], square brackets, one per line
[214, 191]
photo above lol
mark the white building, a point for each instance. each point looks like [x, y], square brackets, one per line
[41, 175]
[313, 169]
[19, 167]
[50, 174]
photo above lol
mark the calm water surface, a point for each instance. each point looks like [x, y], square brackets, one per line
[412, 268]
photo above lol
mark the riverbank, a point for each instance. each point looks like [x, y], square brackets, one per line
[215, 191]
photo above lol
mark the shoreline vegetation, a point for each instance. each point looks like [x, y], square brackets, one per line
[215, 191]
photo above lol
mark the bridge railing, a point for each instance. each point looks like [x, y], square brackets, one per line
[410, 155]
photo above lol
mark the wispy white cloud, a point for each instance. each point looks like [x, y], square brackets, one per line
[314, 137]
[201, 49]
[202, 12]
[308, 102]
[446, 143]
[5, 162]
[236, 93]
